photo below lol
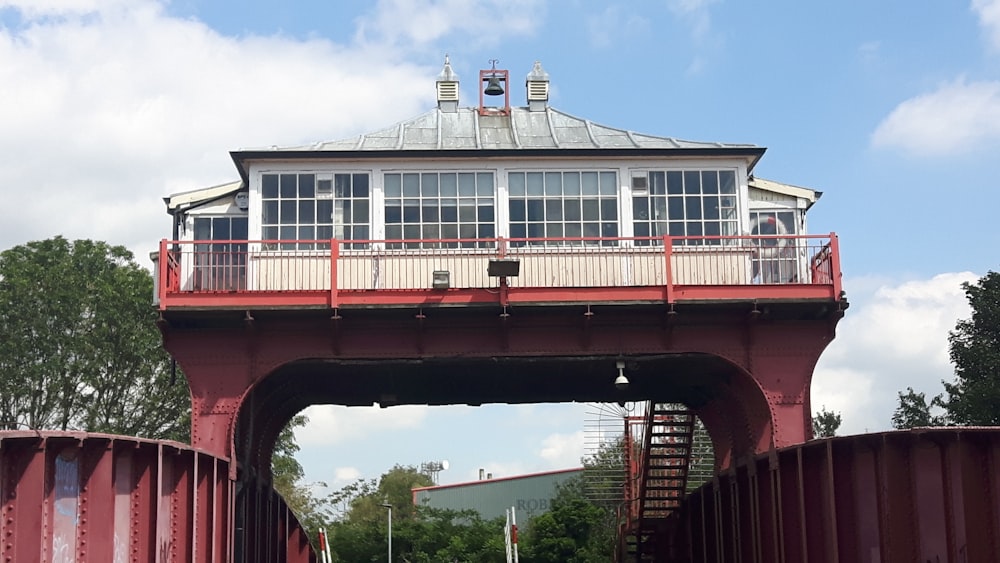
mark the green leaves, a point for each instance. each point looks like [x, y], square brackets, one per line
[974, 347]
[825, 423]
[973, 398]
[79, 348]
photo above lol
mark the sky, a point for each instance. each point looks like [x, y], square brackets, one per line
[107, 106]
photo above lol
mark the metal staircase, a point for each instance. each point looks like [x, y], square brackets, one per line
[658, 475]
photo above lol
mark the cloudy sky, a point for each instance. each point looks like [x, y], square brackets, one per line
[106, 106]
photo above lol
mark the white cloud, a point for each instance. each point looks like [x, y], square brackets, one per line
[612, 27]
[419, 22]
[989, 18]
[563, 450]
[954, 117]
[696, 13]
[893, 337]
[335, 424]
[107, 106]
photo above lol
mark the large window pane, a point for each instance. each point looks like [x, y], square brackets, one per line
[589, 180]
[608, 183]
[307, 186]
[393, 185]
[562, 203]
[289, 186]
[307, 211]
[466, 184]
[291, 210]
[449, 185]
[433, 200]
[484, 184]
[690, 205]
[269, 186]
[516, 187]
[536, 185]
[428, 185]
[571, 183]
[411, 185]
[553, 184]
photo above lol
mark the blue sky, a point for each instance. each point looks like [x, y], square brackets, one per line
[893, 112]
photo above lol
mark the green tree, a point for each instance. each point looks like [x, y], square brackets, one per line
[287, 478]
[914, 411]
[419, 534]
[974, 346]
[79, 348]
[826, 423]
[574, 530]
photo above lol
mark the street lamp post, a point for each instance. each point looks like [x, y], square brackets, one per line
[389, 507]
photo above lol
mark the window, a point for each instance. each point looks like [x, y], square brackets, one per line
[563, 205]
[310, 207]
[220, 266]
[695, 203]
[774, 259]
[436, 209]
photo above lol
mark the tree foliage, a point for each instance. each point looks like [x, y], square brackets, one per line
[79, 348]
[419, 534]
[974, 346]
[973, 398]
[574, 530]
[914, 411]
[826, 423]
[287, 475]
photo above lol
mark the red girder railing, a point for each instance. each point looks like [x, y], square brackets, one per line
[929, 494]
[341, 273]
[74, 496]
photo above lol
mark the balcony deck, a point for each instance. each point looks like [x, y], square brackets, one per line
[332, 274]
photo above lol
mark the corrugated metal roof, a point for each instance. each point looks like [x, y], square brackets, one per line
[466, 129]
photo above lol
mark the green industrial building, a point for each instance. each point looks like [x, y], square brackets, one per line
[530, 495]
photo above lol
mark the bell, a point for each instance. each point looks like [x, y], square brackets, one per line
[493, 87]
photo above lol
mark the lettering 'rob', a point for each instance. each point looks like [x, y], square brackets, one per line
[532, 504]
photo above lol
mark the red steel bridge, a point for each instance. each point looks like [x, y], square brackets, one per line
[729, 327]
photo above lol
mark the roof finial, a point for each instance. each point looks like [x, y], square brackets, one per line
[447, 74]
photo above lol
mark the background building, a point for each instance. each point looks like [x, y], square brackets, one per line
[530, 495]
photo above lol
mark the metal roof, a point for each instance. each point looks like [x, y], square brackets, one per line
[192, 198]
[466, 129]
[808, 194]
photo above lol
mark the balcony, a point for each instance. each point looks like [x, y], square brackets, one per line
[276, 274]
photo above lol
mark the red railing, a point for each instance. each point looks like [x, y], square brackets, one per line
[75, 496]
[338, 273]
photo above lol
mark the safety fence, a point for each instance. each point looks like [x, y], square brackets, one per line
[337, 273]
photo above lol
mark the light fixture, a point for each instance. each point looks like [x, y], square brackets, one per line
[621, 382]
[441, 279]
[503, 267]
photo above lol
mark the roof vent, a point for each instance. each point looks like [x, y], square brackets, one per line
[537, 84]
[447, 88]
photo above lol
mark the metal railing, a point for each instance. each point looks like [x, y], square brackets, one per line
[329, 269]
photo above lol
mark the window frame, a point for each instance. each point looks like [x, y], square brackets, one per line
[541, 210]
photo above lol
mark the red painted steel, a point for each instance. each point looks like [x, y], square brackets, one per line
[895, 497]
[771, 273]
[78, 497]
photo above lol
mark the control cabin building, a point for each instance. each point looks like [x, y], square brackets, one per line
[430, 202]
